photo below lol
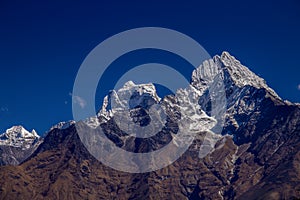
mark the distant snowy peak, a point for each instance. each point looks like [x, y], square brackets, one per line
[18, 136]
[62, 125]
[226, 64]
[20, 131]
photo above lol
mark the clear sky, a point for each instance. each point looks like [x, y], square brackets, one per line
[43, 43]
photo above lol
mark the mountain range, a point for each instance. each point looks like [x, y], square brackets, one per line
[246, 143]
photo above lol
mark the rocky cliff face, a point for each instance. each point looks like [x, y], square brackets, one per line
[244, 147]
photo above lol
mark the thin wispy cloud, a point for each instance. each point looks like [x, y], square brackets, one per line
[78, 100]
[299, 87]
[4, 109]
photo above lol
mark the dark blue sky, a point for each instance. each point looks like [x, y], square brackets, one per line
[43, 43]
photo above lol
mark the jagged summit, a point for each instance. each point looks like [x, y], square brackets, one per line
[139, 89]
[130, 95]
[241, 74]
[231, 71]
[62, 125]
[18, 136]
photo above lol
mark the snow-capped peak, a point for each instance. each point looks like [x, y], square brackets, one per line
[18, 136]
[20, 131]
[147, 88]
[62, 125]
[227, 64]
[240, 74]
[129, 96]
